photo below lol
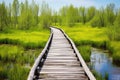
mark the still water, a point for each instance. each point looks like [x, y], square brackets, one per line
[102, 63]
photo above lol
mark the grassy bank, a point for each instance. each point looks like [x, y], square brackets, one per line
[18, 51]
[84, 35]
[27, 39]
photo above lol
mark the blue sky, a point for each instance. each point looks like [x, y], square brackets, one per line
[57, 4]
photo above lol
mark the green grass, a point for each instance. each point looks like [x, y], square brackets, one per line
[18, 51]
[28, 39]
[85, 52]
[10, 53]
[84, 35]
[15, 61]
[99, 76]
[116, 55]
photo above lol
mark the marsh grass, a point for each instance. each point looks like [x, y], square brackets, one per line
[13, 71]
[99, 76]
[27, 39]
[85, 51]
[13, 61]
[10, 53]
[116, 55]
[18, 51]
[96, 37]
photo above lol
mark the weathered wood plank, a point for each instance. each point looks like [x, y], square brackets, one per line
[59, 72]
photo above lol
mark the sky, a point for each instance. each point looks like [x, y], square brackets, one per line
[57, 4]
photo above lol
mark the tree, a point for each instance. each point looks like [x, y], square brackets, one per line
[117, 26]
[3, 17]
[63, 15]
[69, 15]
[99, 18]
[9, 10]
[91, 13]
[72, 15]
[113, 31]
[110, 13]
[82, 14]
[35, 12]
[45, 16]
[55, 18]
[15, 12]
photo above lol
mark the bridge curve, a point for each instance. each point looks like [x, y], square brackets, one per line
[60, 60]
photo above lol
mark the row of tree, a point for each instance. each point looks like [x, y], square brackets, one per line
[18, 15]
[24, 15]
[70, 15]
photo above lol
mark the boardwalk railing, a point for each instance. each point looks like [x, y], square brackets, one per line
[34, 73]
[40, 60]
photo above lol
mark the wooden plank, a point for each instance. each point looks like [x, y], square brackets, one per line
[64, 79]
[63, 68]
[60, 45]
[65, 48]
[61, 50]
[61, 60]
[64, 76]
[68, 74]
[61, 72]
[62, 65]
[61, 57]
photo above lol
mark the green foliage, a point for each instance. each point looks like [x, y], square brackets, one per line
[15, 61]
[45, 17]
[114, 30]
[98, 76]
[3, 72]
[85, 51]
[95, 37]
[69, 15]
[82, 13]
[10, 53]
[18, 50]
[91, 13]
[3, 17]
[28, 15]
[99, 19]
[116, 52]
[72, 14]
[110, 15]
[13, 71]
[15, 12]
[18, 16]
[27, 39]
[18, 72]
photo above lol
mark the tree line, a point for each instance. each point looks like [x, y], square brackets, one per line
[26, 16]
[18, 15]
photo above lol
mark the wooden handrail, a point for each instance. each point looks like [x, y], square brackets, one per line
[85, 67]
[40, 60]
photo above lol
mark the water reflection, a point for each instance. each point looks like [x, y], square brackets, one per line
[102, 63]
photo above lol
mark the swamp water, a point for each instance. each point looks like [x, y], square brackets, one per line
[101, 62]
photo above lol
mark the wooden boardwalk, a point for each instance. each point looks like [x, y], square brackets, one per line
[61, 61]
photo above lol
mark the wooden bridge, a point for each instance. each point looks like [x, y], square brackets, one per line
[60, 60]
